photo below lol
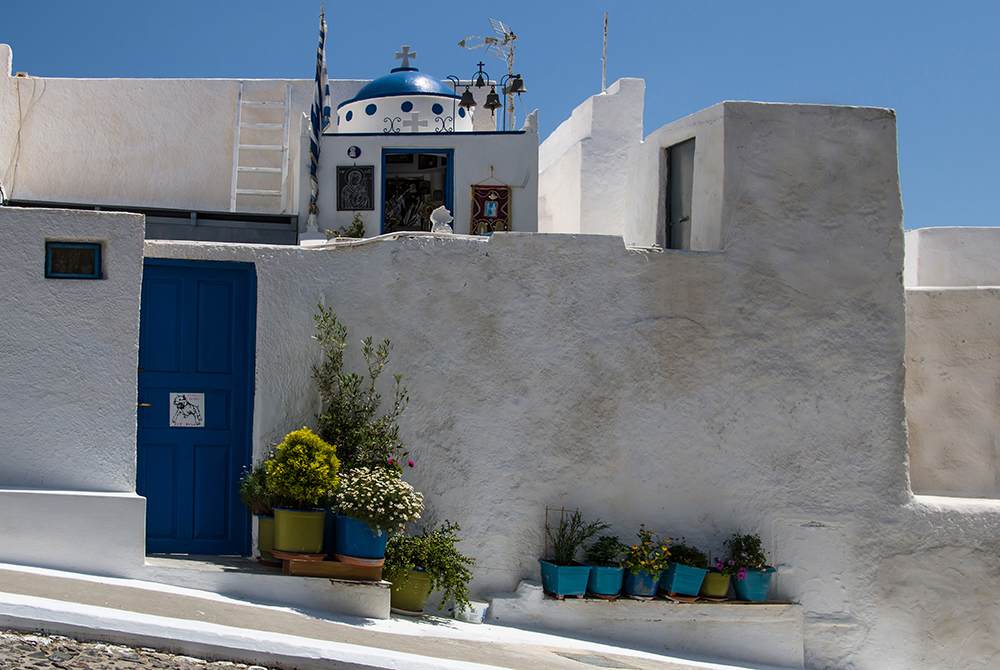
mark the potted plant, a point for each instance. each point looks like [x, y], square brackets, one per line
[717, 580]
[686, 572]
[644, 563]
[371, 505]
[302, 472]
[419, 564]
[259, 499]
[605, 572]
[562, 576]
[748, 558]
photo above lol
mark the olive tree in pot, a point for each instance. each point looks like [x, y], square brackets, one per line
[563, 576]
[417, 565]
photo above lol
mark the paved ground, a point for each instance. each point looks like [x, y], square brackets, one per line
[24, 651]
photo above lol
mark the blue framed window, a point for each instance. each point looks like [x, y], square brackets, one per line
[414, 183]
[73, 260]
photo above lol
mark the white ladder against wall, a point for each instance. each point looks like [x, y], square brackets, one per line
[259, 179]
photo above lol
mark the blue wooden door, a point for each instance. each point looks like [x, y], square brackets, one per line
[196, 346]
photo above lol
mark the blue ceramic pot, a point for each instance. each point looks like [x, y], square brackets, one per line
[641, 583]
[356, 539]
[754, 587]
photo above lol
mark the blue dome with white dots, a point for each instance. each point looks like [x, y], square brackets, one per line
[402, 81]
[404, 101]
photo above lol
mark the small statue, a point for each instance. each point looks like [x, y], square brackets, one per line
[440, 220]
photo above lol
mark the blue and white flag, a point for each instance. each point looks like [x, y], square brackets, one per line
[320, 119]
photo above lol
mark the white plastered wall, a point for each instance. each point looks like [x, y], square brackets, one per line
[68, 357]
[756, 389]
[583, 164]
[953, 360]
[160, 143]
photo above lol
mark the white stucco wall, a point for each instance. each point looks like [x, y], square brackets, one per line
[953, 256]
[953, 360]
[68, 354]
[68, 358]
[584, 163]
[144, 142]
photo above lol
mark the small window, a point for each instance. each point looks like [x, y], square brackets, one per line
[73, 260]
[680, 187]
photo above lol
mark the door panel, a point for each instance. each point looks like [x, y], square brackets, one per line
[195, 338]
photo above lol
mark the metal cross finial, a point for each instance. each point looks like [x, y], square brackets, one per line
[406, 55]
[414, 122]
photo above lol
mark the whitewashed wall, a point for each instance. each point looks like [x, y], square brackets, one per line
[68, 360]
[583, 165]
[758, 389]
[953, 360]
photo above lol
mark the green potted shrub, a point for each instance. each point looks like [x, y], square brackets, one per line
[644, 563]
[606, 573]
[302, 472]
[749, 560]
[259, 499]
[686, 572]
[371, 505]
[419, 564]
[562, 576]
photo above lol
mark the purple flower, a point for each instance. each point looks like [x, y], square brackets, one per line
[732, 562]
[741, 573]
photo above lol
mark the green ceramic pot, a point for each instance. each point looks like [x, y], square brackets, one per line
[413, 595]
[716, 585]
[299, 531]
[265, 536]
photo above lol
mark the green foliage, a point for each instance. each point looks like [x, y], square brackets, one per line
[304, 469]
[356, 229]
[379, 497]
[570, 535]
[606, 550]
[436, 554]
[746, 552]
[693, 557]
[253, 490]
[351, 420]
[650, 555]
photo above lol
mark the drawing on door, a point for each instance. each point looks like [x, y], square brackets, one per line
[196, 348]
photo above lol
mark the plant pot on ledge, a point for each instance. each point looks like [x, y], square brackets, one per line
[564, 580]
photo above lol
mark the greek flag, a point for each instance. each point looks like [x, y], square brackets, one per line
[320, 119]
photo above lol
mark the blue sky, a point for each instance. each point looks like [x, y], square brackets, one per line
[936, 64]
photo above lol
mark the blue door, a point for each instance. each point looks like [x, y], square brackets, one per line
[196, 360]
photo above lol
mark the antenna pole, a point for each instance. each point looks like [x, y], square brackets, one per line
[604, 59]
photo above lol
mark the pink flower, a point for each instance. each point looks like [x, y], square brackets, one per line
[410, 463]
[741, 573]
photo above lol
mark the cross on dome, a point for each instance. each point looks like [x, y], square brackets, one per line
[414, 122]
[406, 55]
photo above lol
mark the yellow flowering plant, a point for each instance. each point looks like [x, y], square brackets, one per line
[650, 555]
[379, 497]
[303, 469]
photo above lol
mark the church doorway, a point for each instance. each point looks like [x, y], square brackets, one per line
[415, 183]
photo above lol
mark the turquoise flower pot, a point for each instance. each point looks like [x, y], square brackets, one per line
[564, 580]
[682, 579]
[356, 540]
[754, 587]
[605, 580]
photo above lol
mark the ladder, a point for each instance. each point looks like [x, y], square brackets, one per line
[257, 162]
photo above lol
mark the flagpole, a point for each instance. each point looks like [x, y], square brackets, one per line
[319, 120]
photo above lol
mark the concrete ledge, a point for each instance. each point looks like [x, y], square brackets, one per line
[255, 583]
[770, 633]
[92, 532]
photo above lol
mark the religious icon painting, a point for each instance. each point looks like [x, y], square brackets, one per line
[490, 209]
[355, 187]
